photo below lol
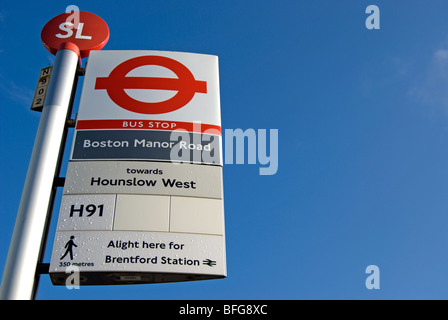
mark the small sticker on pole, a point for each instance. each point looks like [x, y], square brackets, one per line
[41, 89]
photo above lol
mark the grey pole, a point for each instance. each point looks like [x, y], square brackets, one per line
[20, 269]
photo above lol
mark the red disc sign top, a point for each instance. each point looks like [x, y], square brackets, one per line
[85, 30]
[185, 84]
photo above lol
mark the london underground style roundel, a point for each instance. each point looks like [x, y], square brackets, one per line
[185, 85]
[149, 85]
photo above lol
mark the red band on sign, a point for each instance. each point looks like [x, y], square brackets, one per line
[70, 46]
[148, 125]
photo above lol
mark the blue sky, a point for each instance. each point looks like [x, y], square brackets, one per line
[363, 134]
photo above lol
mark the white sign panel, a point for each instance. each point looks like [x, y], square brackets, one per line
[138, 177]
[143, 197]
[136, 257]
[156, 85]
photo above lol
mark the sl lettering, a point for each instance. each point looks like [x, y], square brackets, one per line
[373, 280]
[373, 20]
[67, 28]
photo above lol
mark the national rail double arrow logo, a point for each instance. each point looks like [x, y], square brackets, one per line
[185, 85]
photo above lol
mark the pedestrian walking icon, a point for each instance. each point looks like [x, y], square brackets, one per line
[69, 248]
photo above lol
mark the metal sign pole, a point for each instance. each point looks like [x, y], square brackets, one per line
[19, 274]
[42, 268]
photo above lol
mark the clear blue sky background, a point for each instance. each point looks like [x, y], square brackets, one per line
[363, 139]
